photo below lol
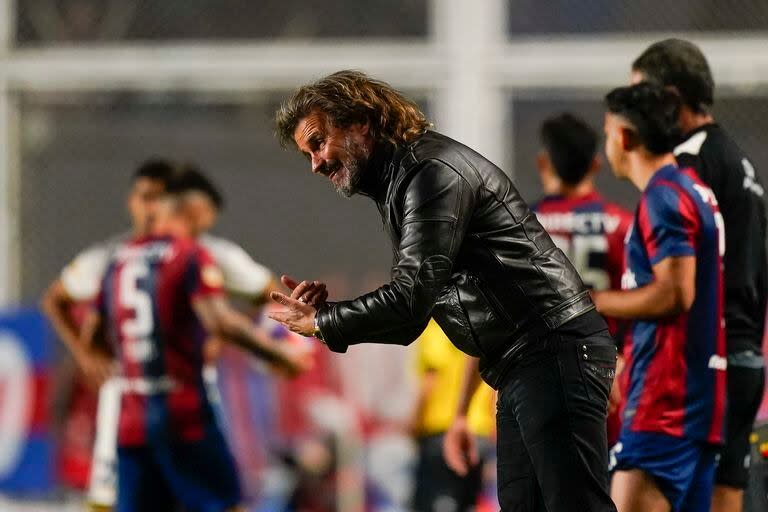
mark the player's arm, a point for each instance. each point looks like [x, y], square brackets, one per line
[426, 366]
[55, 304]
[670, 293]
[667, 225]
[427, 383]
[78, 282]
[94, 363]
[243, 276]
[221, 320]
[471, 382]
[459, 445]
[272, 286]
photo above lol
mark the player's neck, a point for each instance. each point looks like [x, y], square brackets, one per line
[644, 167]
[171, 227]
[582, 189]
[690, 120]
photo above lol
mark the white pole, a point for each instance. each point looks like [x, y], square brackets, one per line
[7, 24]
[9, 198]
[9, 205]
[470, 106]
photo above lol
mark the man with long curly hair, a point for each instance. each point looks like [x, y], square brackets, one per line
[470, 254]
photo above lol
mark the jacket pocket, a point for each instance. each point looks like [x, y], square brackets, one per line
[470, 318]
[454, 321]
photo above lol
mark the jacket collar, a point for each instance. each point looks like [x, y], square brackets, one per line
[380, 170]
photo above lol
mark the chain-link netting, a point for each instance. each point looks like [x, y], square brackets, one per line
[527, 17]
[111, 21]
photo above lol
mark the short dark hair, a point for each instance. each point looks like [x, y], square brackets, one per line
[156, 169]
[680, 64]
[571, 144]
[652, 112]
[347, 97]
[191, 179]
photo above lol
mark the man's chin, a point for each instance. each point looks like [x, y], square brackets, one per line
[346, 186]
[345, 191]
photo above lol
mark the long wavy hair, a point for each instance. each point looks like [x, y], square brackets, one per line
[348, 97]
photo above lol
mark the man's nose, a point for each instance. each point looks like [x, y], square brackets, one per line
[318, 163]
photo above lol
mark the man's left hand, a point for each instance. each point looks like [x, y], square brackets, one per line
[297, 316]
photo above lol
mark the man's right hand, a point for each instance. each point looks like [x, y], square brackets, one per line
[313, 293]
[460, 447]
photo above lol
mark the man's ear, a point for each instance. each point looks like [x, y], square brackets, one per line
[629, 140]
[359, 129]
[542, 161]
[597, 161]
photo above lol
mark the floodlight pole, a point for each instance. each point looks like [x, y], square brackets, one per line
[9, 169]
[469, 103]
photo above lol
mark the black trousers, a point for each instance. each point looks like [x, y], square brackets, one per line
[551, 421]
[746, 381]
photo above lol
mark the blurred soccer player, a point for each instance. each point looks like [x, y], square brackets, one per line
[78, 284]
[80, 280]
[587, 227]
[440, 368]
[722, 165]
[159, 297]
[200, 203]
[673, 289]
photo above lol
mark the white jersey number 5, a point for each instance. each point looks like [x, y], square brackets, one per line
[136, 330]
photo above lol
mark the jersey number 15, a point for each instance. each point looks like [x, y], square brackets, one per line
[583, 250]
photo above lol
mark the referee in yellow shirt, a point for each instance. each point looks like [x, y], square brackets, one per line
[440, 368]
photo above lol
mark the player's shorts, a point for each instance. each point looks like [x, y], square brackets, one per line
[199, 475]
[683, 469]
[746, 378]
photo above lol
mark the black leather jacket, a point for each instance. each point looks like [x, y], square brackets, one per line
[468, 252]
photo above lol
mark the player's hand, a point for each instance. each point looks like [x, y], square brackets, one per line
[297, 316]
[614, 399]
[308, 292]
[96, 367]
[460, 447]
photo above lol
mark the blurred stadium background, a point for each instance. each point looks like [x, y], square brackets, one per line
[90, 88]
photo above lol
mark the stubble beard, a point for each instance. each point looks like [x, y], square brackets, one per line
[354, 163]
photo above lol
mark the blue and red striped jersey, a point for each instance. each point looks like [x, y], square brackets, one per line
[675, 366]
[146, 303]
[590, 230]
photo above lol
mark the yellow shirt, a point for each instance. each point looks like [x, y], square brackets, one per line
[436, 355]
